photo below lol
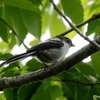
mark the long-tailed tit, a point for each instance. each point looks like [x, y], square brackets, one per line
[49, 51]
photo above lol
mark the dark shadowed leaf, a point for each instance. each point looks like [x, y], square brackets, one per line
[11, 94]
[3, 31]
[96, 62]
[28, 91]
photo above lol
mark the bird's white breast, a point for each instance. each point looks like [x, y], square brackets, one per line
[64, 50]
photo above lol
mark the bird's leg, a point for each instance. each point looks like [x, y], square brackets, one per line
[54, 62]
[45, 65]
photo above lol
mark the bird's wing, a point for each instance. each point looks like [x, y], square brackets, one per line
[34, 49]
[46, 45]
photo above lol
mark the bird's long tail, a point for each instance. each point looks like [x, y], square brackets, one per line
[17, 57]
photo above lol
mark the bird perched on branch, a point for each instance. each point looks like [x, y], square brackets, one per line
[49, 51]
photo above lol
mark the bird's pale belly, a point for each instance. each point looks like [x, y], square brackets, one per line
[48, 56]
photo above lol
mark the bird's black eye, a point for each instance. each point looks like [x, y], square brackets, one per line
[68, 40]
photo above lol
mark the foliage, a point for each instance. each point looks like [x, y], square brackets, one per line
[22, 17]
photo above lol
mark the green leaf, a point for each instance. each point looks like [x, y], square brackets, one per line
[96, 62]
[53, 22]
[96, 89]
[69, 90]
[23, 21]
[34, 42]
[11, 94]
[47, 82]
[56, 24]
[6, 15]
[92, 26]
[73, 9]
[28, 91]
[3, 45]
[42, 94]
[45, 17]
[13, 18]
[8, 73]
[17, 21]
[94, 92]
[34, 65]
[22, 4]
[56, 92]
[76, 91]
[72, 74]
[4, 56]
[36, 2]
[2, 97]
[3, 31]
[12, 40]
[86, 69]
[33, 22]
[97, 31]
[82, 92]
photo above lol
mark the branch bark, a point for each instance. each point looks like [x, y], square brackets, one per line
[17, 81]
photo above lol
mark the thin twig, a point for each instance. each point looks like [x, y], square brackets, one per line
[74, 28]
[13, 31]
[81, 82]
[94, 17]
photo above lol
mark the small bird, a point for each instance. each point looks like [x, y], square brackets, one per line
[48, 52]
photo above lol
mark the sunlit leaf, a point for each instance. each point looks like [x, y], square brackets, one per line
[56, 24]
[39, 95]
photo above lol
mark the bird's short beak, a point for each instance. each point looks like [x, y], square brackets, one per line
[72, 45]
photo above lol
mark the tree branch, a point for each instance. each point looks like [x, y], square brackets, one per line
[16, 81]
[93, 17]
[73, 27]
[13, 31]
